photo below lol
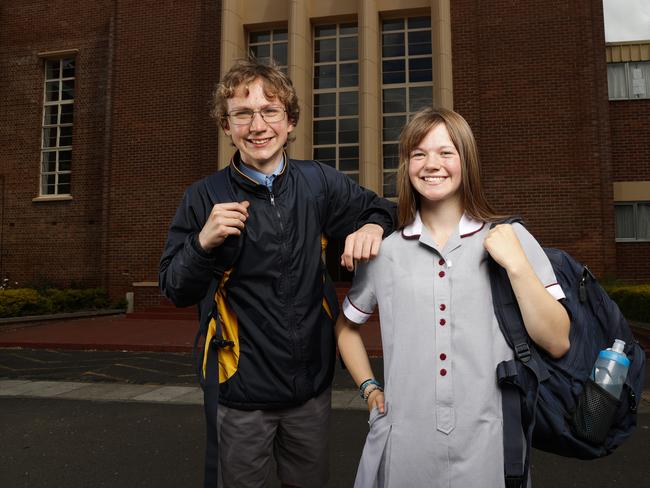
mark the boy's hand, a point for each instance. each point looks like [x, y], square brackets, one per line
[225, 219]
[362, 245]
[376, 399]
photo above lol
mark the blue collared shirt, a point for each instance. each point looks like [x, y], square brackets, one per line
[261, 178]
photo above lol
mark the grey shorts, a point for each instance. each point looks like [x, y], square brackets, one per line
[297, 437]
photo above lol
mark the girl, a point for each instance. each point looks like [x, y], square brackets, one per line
[439, 423]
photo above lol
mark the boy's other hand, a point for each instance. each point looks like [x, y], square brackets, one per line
[225, 219]
[362, 245]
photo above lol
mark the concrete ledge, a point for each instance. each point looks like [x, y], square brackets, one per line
[60, 316]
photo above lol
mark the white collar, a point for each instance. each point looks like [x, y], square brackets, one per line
[466, 227]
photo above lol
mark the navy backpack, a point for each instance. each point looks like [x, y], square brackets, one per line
[560, 409]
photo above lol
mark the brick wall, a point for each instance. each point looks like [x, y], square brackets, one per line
[531, 80]
[51, 241]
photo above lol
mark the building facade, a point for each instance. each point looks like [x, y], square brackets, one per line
[105, 118]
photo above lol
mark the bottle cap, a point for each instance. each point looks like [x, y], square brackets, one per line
[614, 356]
[618, 346]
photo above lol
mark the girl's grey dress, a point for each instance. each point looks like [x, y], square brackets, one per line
[441, 345]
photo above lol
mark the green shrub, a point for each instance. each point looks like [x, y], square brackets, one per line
[23, 301]
[26, 301]
[633, 300]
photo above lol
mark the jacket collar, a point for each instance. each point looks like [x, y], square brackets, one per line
[250, 183]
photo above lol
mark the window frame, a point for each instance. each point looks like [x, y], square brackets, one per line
[635, 217]
[628, 81]
[272, 42]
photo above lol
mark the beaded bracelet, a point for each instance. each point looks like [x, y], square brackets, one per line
[365, 384]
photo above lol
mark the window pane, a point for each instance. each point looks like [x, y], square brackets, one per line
[419, 22]
[325, 30]
[65, 158]
[391, 156]
[643, 221]
[325, 76]
[52, 91]
[261, 52]
[280, 54]
[419, 97]
[326, 155]
[348, 103]
[392, 24]
[348, 49]
[394, 100]
[347, 29]
[325, 50]
[66, 113]
[325, 105]
[624, 217]
[348, 131]
[616, 82]
[419, 42]
[324, 132]
[280, 35]
[68, 68]
[392, 45]
[49, 137]
[263, 36]
[393, 71]
[49, 162]
[50, 117]
[392, 127]
[65, 136]
[349, 158]
[67, 92]
[390, 185]
[348, 74]
[639, 80]
[52, 69]
[420, 70]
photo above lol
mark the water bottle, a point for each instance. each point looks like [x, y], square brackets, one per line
[610, 369]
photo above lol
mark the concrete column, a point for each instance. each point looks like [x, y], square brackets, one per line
[443, 83]
[370, 163]
[300, 72]
[233, 47]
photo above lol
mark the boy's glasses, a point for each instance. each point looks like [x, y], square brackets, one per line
[245, 117]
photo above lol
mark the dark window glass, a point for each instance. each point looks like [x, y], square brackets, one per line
[394, 100]
[326, 155]
[280, 35]
[325, 30]
[348, 131]
[325, 105]
[349, 103]
[52, 91]
[65, 158]
[325, 50]
[51, 115]
[349, 158]
[419, 22]
[348, 49]
[52, 70]
[68, 68]
[347, 29]
[420, 70]
[390, 184]
[392, 127]
[64, 183]
[419, 42]
[325, 76]
[348, 74]
[392, 45]
[49, 162]
[256, 37]
[49, 137]
[393, 71]
[624, 219]
[419, 97]
[65, 136]
[261, 52]
[392, 24]
[324, 132]
[66, 113]
[391, 156]
[67, 92]
[280, 54]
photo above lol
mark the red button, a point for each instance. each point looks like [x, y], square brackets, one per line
[443, 321]
[441, 274]
[441, 262]
[443, 356]
[443, 372]
[443, 306]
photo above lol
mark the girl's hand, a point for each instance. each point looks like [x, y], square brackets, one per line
[503, 245]
[376, 399]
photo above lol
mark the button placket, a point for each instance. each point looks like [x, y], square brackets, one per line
[445, 414]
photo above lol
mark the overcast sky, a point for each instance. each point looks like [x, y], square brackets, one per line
[627, 20]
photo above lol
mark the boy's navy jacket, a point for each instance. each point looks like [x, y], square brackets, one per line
[270, 284]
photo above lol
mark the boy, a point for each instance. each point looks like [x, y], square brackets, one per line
[259, 248]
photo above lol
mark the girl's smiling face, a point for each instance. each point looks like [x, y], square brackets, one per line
[434, 168]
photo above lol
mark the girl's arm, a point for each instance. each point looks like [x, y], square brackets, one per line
[355, 357]
[546, 320]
